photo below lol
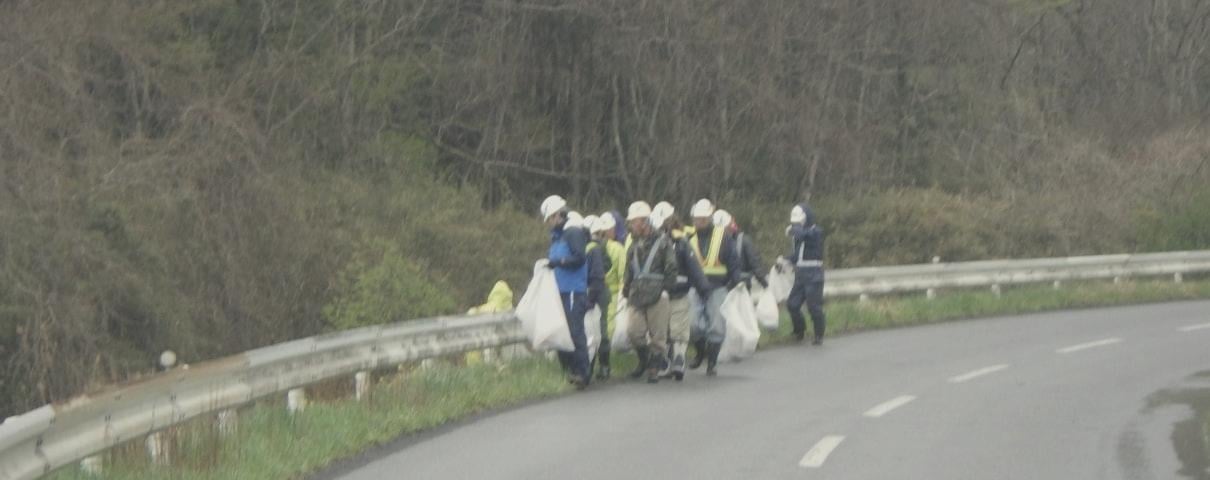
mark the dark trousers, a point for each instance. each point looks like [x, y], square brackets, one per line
[808, 289]
[575, 306]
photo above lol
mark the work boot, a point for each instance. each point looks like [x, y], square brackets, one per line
[700, 354]
[678, 360]
[818, 340]
[641, 352]
[603, 369]
[798, 336]
[712, 351]
[666, 370]
[653, 371]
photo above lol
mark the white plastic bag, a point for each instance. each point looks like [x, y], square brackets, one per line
[592, 331]
[767, 312]
[541, 313]
[780, 283]
[743, 332]
[621, 328]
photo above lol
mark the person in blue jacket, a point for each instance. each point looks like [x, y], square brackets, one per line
[806, 254]
[569, 260]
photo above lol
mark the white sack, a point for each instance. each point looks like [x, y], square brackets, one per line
[592, 331]
[767, 312]
[780, 283]
[541, 312]
[621, 328]
[743, 332]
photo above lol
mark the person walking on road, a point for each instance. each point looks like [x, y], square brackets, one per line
[806, 255]
[650, 272]
[606, 253]
[690, 277]
[568, 258]
[721, 267]
[750, 265]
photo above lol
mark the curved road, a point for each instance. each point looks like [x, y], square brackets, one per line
[1092, 394]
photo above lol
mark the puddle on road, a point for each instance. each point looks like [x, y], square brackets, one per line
[1189, 436]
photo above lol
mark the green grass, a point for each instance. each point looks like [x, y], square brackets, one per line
[270, 443]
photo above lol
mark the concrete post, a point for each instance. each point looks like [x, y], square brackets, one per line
[996, 289]
[361, 385]
[296, 400]
[92, 466]
[1058, 284]
[864, 298]
[1117, 280]
[157, 449]
[428, 363]
[930, 293]
[228, 422]
[1178, 278]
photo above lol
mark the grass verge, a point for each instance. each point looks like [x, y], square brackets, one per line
[270, 444]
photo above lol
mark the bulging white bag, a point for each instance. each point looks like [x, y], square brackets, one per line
[592, 330]
[767, 312]
[780, 283]
[541, 313]
[621, 328]
[743, 332]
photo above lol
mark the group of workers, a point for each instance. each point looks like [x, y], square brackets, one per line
[653, 263]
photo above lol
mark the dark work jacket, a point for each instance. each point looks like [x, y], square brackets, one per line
[665, 262]
[749, 260]
[567, 255]
[726, 257]
[807, 244]
[691, 275]
[598, 264]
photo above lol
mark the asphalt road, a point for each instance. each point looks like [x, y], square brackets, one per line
[1091, 394]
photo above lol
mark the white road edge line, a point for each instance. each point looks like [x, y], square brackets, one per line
[1192, 328]
[978, 373]
[887, 406]
[1086, 346]
[819, 453]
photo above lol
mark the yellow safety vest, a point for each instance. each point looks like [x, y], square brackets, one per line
[710, 263]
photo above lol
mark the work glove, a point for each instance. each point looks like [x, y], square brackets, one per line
[779, 265]
[764, 282]
[552, 265]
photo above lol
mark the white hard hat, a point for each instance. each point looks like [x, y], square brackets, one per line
[797, 215]
[574, 220]
[658, 219]
[722, 219]
[589, 221]
[702, 209]
[639, 209]
[552, 205]
[604, 223]
[663, 209]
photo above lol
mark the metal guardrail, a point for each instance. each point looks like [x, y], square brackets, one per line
[53, 436]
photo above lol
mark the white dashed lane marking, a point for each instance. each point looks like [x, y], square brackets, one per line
[886, 407]
[1086, 346]
[1194, 328]
[819, 453]
[977, 373]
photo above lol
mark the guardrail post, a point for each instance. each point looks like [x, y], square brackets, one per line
[1178, 278]
[863, 298]
[1058, 284]
[930, 293]
[489, 355]
[296, 400]
[428, 363]
[228, 422]
[361, 385]
[157, 448]
[996, 289]
[92, 466]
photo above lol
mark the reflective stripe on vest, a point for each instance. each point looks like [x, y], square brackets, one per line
[710, 265]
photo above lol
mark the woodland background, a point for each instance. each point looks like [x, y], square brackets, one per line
[215, 175]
